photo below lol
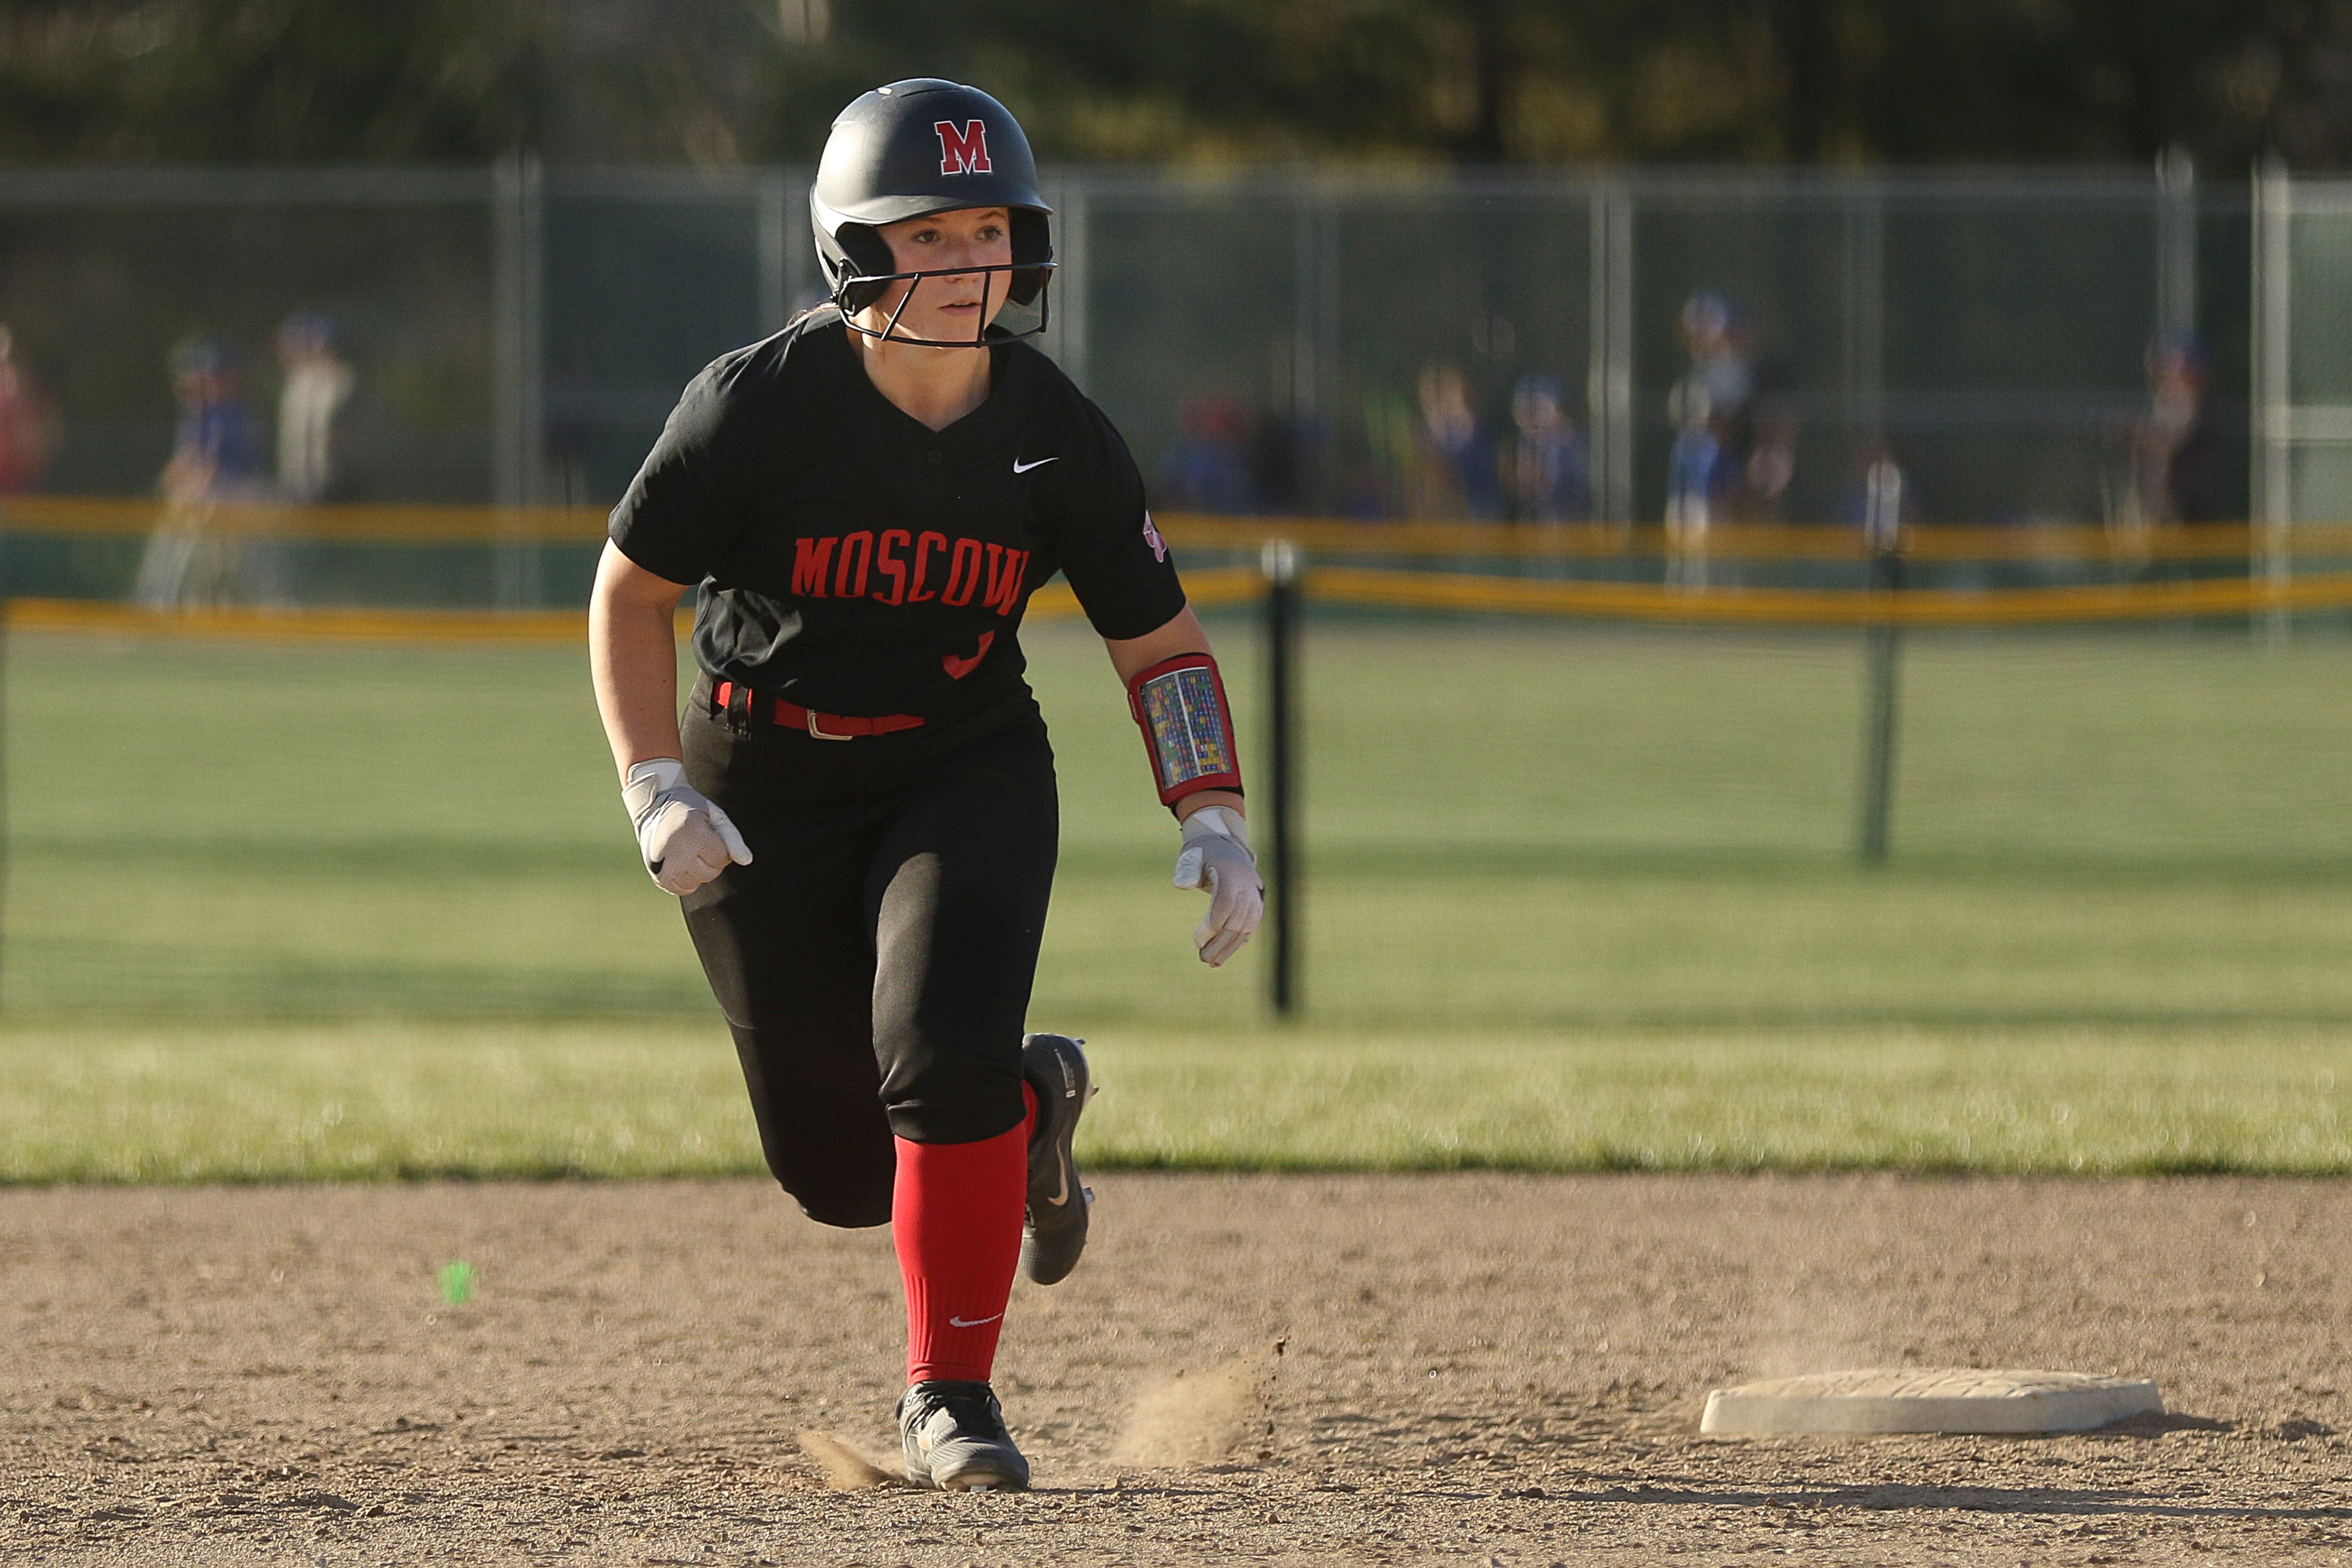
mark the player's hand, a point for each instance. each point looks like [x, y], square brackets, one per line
[684, 839]
[1216, 858]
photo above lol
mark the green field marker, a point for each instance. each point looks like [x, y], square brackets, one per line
[457, 1282]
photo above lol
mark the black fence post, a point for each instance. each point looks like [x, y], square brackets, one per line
[5, 840]
[1883, 653]
[1283, 871]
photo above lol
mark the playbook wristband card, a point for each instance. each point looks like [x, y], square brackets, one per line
[1187, 727]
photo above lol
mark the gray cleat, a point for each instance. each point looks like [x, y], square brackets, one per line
[955, 1440]
[1054, 1233]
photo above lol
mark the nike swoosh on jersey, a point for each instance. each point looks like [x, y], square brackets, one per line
[1021, 468]
[973, 1322]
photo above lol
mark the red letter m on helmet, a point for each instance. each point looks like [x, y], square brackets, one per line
[962, 152]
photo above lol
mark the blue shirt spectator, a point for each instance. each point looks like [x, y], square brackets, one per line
[1207, 466]
[216, 450]
[1551, 467]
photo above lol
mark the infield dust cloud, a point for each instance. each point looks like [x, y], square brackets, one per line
[845, 1469]
[1196, 1417]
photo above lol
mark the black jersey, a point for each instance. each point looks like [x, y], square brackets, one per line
[859, 562]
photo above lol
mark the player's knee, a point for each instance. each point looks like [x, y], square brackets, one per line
[850, 1203]
[846, 1187]
[946, 1096]
[851, 1211]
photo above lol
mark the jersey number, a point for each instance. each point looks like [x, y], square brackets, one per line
[958, 666]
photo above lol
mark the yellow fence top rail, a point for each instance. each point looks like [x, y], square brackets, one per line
[1827, 606]
[1339, 585]
[427, 525]
[357, 525]
[1216, 586]
[2054, 542]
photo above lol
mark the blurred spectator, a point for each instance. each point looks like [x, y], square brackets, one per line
[1377, 473]
[1208, 467]
[216, 450]
[1549, 472]
[1455, 474]
[2186, 458]
[311, 463]
[216, 457]
[29, 427]
[1877, 500]
[1692, 461]
[1734, 419]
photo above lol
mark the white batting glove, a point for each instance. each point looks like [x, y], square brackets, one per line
[1216, 858]
[684, 839]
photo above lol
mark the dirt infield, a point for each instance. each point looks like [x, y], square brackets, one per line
[1471, 1369]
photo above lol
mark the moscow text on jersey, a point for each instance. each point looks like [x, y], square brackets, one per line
[905, 569]
[858, 562]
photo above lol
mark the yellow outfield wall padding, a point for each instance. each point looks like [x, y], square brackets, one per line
[1217, 586]
[379, 523]
[2055, 542]
[1826, 606]
[403, 523]
[250, 624]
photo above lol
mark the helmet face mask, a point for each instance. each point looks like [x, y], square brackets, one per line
[1023, 288]
[913, 149]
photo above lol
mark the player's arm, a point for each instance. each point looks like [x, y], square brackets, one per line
[1178, 701]
[633, 654]
[684, 838]
[1132, 656]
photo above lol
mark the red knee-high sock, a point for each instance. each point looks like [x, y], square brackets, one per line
[955, 1218]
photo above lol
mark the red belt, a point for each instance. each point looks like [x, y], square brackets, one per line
[824, 726]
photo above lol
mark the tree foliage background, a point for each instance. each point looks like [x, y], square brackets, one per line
[1203, 81]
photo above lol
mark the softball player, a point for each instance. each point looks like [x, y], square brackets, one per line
[858, 811]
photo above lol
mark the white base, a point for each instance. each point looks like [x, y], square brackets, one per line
[1958, 1400]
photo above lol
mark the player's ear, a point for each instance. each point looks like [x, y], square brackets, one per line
[1033, 247]
[869, 257]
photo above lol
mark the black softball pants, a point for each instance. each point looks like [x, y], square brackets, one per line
[874, 960]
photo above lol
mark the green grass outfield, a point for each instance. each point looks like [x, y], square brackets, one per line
[1579, 897]
[355, 1101]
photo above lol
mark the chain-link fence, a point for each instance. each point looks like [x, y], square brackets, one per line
[1522, 349]
[2302, 350]
[1501, 418]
